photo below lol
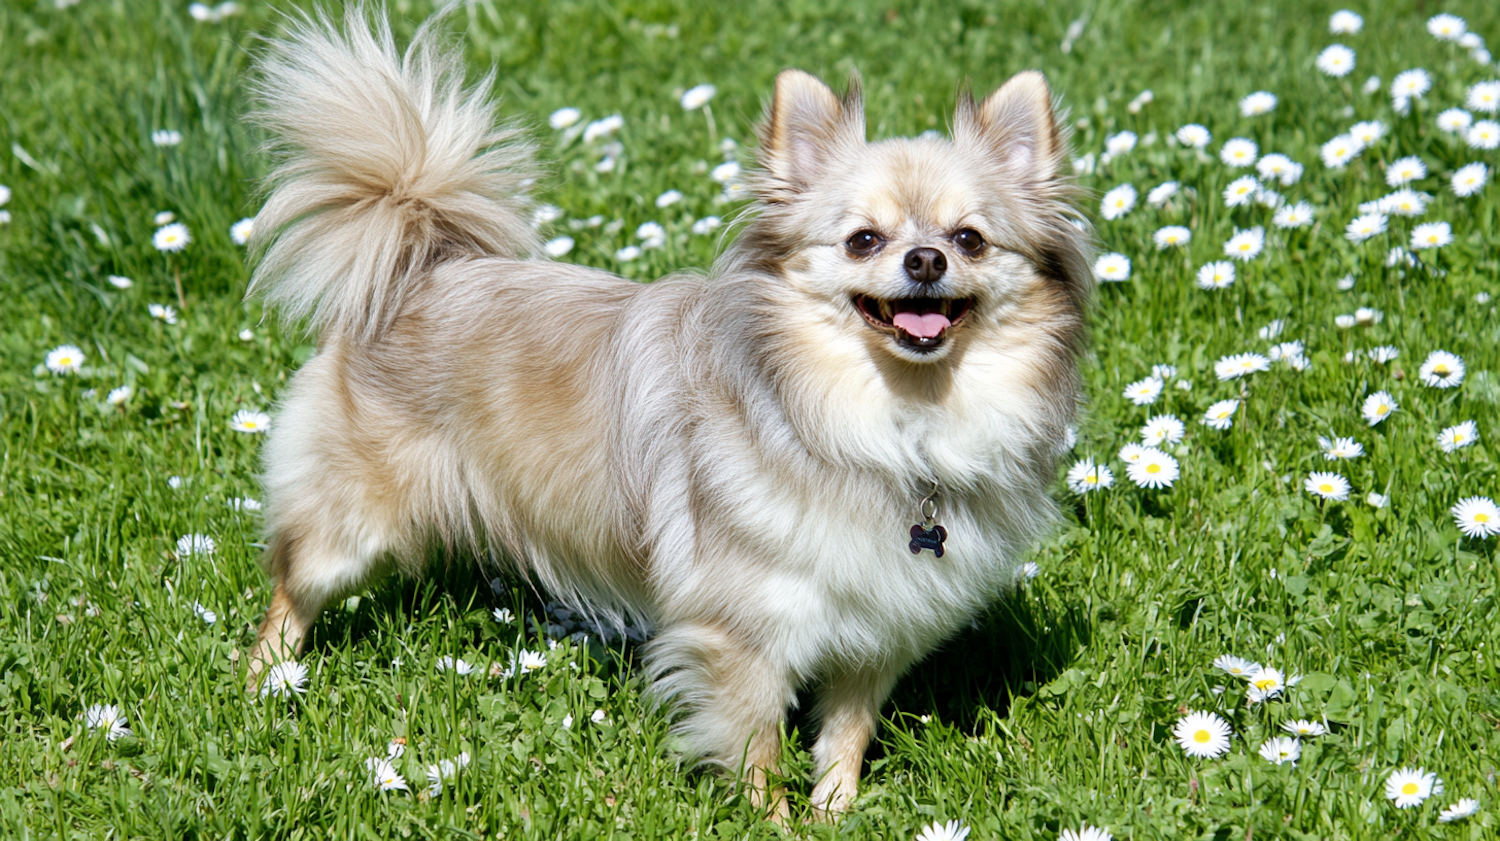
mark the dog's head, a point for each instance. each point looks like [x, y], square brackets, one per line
[913, 247]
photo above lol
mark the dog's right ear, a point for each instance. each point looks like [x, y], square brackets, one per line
[806, 124]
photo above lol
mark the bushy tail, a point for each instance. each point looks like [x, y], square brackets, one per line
[386, 166]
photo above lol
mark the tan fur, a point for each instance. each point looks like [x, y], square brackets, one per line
[733, 459]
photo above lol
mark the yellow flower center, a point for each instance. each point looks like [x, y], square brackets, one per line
[1481, 517]
[1441, 370]
[1382, 409]
[1326, 488]
[1203, 737]
[1409, 789]
[1153, 468]
[1267, 682]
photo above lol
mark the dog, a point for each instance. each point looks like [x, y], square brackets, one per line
[804, 469]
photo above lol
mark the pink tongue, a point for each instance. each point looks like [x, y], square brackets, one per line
[921, 325]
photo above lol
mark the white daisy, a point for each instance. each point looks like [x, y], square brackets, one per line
[166, 137]
[1484, 134]
[1118, 202]
[1241, 191]
[564, 117]
[1345, 22]
[1340, 448]
[284, 679]
[1458, 811]
[1202, 734]
[1336, 60]
[558, 246]
[65, 359]
[162, 312]
[725, 172]
[1155, 469]
[1454, 120]
[1298, 215]
[1305, 729]
[1221, 414]
[950, 831]
[1236, 666]
[1132, 453]
[1410, 786]
[1405, 202]
[1258, 103]
[530, 661]
[1442, 370]
[1086, 476]
[1281, 750]
[1112, 267]
[706, 224]
[1366, 226]
[1239, 365]
[383, 774]
[1377, 500]
[1365, 316]
[445, 771]
[1085, 833]
[1431, 235]
[1272, 330]
[1339, 151]
[240, 231]
[1161, 193]
[1383, 354]
[1327, 485]
[669, 198]
[118, 396]
[602, 128]
[456, 665]
[1144, 392]
[1371, 85]
[1194, 135]
[1469, 179]
[1118, 144]
[1280, 168]
[1405, 170]
[1484, 97]
[195, 544]
[1446, 27]
[173, 237]
[1171, 236]
[1266, 684]
[1477, 516]
[1162, 429]
[208, 616]
[697, 96]
[122, 282]
[1218, 275]
[1378, 406]
[1367, 132]
[1457, 437]
[1246, 245]
[1239, 152]
[1411, 84]
[107, 717]
[249, 420]
[628, 253]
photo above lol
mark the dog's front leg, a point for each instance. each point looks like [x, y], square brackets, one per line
[848, 708]
[735, 698]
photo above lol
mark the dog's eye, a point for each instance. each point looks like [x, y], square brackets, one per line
[864, 242]
[969, 240]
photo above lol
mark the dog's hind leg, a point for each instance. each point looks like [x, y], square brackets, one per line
[848, 707]
[307, 574]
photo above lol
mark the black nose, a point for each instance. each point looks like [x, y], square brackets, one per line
[925, 265]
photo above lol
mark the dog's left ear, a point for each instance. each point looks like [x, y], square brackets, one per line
[1016, 125]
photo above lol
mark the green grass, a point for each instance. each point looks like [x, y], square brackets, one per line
[1056, 711]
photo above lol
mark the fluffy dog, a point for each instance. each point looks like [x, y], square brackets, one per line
[756, 462]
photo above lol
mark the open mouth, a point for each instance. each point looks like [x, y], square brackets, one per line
[920, 324]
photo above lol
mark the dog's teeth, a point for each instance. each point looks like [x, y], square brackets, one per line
[887, 312]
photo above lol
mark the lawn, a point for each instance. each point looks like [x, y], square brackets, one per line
[131, 539]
